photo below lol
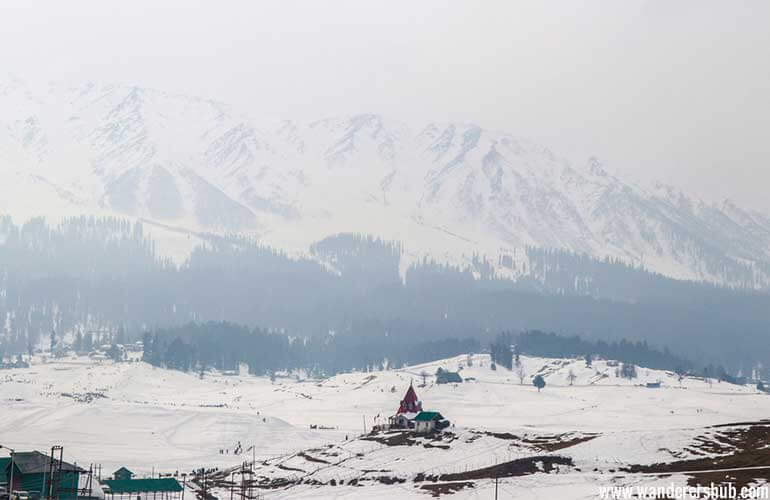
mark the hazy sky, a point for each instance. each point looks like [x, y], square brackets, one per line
[677, 91]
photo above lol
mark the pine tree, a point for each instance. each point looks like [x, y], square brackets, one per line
[120, 337]
[114, 353]
[88, 342]
[147, 347]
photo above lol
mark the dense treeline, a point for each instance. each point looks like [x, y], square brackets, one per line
[97, 274]
[224, 346]
[501, 350]
[573, 273]
[537, 343]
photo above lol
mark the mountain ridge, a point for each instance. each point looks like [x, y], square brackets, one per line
[449, 190]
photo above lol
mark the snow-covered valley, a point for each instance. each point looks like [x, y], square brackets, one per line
[308, 435]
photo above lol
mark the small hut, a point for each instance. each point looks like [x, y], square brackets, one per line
[122, 474]
[447, 377]
[429, 421]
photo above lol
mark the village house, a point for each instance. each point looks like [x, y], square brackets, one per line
[32, 473]
[429, 421]
[447, 377]
[122, 474]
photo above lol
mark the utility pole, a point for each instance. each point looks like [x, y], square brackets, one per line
[495, 486]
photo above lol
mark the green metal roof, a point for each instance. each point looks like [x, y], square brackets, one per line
[4, 463]
[118, 486]
[427, 416]
[34, 462]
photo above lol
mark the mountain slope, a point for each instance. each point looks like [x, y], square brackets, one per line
[448, 190]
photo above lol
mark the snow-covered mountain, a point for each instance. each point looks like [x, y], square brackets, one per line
[448, 190]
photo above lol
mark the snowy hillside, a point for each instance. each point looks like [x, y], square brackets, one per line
[445, 190]
[308, 433]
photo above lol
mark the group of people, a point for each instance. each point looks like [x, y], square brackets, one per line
[237, 451]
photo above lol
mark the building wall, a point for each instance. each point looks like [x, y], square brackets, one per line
[34, 483]
[424, 426]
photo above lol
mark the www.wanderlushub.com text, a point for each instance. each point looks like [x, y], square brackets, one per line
[714, 491]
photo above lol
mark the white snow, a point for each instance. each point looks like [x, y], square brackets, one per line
[447, 191]
[152, 418]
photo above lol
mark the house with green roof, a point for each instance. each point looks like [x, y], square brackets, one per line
[32, 472]
[447, 377]
[122, 473]
[428, 421]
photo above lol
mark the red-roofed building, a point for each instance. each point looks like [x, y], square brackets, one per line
[408, 409]
[410, 403]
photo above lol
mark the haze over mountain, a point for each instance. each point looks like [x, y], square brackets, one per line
[447, 190]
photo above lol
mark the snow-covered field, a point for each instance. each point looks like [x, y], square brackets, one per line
[134, 415]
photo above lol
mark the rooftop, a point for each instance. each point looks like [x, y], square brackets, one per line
[34, 462]
[427, 416]
[165, 484]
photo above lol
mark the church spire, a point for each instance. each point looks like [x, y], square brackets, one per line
[410, 403]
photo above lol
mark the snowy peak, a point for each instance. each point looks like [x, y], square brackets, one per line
[448, 190]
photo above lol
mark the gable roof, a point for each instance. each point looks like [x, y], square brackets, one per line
[164, 484]
[427, 416]
[122, 470]
[410, 403]
[34, 462]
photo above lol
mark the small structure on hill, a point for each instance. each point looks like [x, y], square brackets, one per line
[653, 385]
[447, 377]
[122, 474]
[166, 488]
[429, 421]
[410, 415]
[11, 363]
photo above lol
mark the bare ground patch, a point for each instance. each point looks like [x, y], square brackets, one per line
[739, 446]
